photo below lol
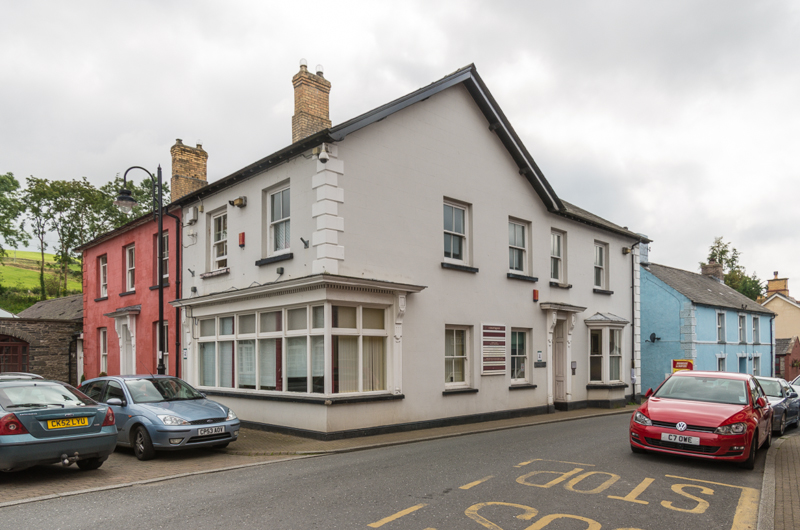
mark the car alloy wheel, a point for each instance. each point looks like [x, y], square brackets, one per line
[142, 445]
[782, 428]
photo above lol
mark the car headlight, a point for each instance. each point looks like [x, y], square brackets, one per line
[733, 428]
[172, 420]
[641, 419]
[231, 415]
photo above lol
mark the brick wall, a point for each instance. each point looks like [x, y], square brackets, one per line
[311, 104]
[189, 169]
[52, 345]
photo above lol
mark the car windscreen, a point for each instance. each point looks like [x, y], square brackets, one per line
[29, 394]
[161, 389]
[710, 389]
[771, 388]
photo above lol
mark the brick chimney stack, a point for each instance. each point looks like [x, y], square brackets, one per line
[189, 169]
[778, 285]
[713, 269]
[311, 95]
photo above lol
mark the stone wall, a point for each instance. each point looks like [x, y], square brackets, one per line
[52, 352]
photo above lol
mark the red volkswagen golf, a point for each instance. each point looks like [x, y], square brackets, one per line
[714, 415]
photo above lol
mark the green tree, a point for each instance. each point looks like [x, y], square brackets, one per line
[735, 274]
[38, 200]
[11, 207]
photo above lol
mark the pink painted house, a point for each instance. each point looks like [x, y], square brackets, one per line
[120, 284]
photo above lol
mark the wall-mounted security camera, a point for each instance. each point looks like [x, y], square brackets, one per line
[323, 156]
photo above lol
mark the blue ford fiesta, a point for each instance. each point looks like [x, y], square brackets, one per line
[158, 412]
[44, 422]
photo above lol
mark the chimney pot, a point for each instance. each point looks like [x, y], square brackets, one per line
[776, 274]
[320, 70]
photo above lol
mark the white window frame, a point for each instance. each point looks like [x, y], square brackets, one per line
[742, 321]
[756, 329]
[130, 268]
[558, 256]
[721, 334]
[756, 363]
[722, 360]
[164, 257]
[600, 265]
[103, 338]
[518, 244]
[606, 332]
[219, 261]
[273, 223]
[467, 357]
[104, 276]
[464, 237]
[523, 357]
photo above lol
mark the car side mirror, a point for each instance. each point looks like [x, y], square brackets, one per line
[648, 393]
[761, 402]
[792, 395]
[117, 402]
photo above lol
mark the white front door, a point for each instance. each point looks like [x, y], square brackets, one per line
[126, 352]
[560, 362]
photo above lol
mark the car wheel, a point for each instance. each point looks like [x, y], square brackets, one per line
[750, 463]
[637, 450]
[142, 445]
[768, 441]
[782, 425]
[90, 463]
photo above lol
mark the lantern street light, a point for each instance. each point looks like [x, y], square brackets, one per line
[125, 202]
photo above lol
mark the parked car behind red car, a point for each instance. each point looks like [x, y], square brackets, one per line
[713, 415]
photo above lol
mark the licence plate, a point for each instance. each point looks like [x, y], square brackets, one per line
[210, 430]
[68, 422]
[680, 439]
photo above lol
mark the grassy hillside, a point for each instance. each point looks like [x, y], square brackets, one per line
[19, 280]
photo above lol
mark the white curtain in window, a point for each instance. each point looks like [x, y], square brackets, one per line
[207, 372]
[296, 362]
[247, 363]
[267, 364]
[317, 356]
[374, 363]
[347, 363]
[226, 364]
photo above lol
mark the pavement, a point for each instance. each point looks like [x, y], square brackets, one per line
[779, 506]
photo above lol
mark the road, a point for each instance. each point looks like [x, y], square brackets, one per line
[562, 476]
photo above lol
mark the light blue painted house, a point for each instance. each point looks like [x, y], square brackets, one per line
[685, 315]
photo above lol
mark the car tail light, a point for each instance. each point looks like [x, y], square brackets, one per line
[109, 419]
[10, 424]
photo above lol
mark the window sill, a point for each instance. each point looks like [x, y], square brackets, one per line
[155, 287]
[522, 387]
[303, 398]
[462, 268]
[601, 291]
[513, 276]
[275, 259]
[453, 391]
[127, 293]
[101, 299]
[212, 274]
[606, 386]
[560, 285]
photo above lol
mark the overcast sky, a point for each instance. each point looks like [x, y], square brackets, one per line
[677, 119]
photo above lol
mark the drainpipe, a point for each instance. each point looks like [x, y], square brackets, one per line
[178, 239]
[633, 318]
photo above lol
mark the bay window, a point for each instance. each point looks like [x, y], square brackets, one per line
[284, 350]
[605, 354]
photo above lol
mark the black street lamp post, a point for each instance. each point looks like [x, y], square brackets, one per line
[125, 202]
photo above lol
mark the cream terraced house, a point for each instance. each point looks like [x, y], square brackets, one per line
[411, 267]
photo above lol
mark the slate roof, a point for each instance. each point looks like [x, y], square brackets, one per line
[784, 346]
[66, 308]
[705, 290]
[468, 76]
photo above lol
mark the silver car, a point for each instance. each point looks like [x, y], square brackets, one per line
[785, 403]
